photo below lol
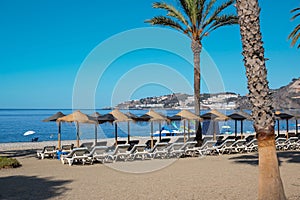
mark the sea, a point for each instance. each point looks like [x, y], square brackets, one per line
[15, 122]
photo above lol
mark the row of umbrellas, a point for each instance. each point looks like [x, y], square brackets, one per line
[116, 116]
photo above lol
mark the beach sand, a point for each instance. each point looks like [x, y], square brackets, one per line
[210, 177]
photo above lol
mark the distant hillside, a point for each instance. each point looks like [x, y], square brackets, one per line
[286, 97]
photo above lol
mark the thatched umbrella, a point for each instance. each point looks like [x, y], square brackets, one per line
[283, 116]
[153, 116]
[53, 118]
[77, 117]
[214, 115]
[239, 116]
[185, 115]
[120, 117]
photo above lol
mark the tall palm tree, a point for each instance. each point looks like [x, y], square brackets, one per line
[269, 184]
[196, 19]
[295, 34]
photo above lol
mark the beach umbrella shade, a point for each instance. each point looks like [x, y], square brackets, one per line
[77, 117]
[120, 117]
[239, 116]
[214, 116]
[29, 133]
[53, 118]
[283, 116]
[155, 117]
[185, 115]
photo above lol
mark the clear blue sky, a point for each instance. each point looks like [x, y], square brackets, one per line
[44, 43]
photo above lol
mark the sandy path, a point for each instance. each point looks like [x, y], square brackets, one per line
[213, 177]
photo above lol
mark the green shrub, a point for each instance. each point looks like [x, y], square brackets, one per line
[9, 163]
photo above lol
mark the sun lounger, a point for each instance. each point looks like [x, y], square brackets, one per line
[158, 151]
[175, 150]
[48, 151]
[237, 147]
[224, 147]
[88, 145]
[132, 143]
[207, 148]
[148, 144]
[291, 143]
[67, 148]
[119, 153]
[251, 146]
[280, 143]
[138, 151]
[76, 155]
[101, 143]
[190, 148]
[98, 153]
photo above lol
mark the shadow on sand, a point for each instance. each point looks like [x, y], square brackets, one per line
[283, 156]
[31, 187]
[19, 153]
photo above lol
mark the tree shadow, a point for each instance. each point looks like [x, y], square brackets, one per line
[31, 187]
[283, 156]
[19, 153]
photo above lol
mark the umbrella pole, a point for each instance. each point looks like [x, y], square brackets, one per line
[116, 133]
[287, 128]
[159, 131]
[151, 134]
[242, 129]
[296, 127]
[128, 131]
[235, 128]
[96, 133]
[77, 134]
[189, 129]
[184, 139]
[59, 135]
[278, 129]
[214, 132]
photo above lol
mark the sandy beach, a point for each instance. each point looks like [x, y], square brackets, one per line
[210, 177]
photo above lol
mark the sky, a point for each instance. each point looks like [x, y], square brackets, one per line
[47, 49]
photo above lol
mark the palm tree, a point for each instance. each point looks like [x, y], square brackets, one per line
[269, 184]
[295, 34]
[196, 19]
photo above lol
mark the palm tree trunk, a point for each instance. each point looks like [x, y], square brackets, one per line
[196, 48]
[269, 185]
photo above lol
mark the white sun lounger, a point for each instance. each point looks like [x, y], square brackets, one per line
[98, 153]
[120, 153]
[76, 155]
[48, 151]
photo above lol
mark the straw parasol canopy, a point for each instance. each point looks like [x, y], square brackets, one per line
[283, 116]
[77, 117]
[185, 115]
[239, 116]
[214, 115]
[155, 117]
[120, 117]
[53, 118]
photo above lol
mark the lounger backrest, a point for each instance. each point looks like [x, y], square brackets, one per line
[102, 143]
[280, 140]
[74, 151]
[122, 148]
[189, 145]
[175, 146]
[209, 144]
[293, 139]
[81, 152]
[239, 143]
[228, 143]
[139, 148]
[159, 146]
[49, 148]
[99, 150]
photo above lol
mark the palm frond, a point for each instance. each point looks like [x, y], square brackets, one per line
[296, 15]
[294, 35]
[172, 12]
[166, 21]
[223, 20]
[208, 8]
[217, 12]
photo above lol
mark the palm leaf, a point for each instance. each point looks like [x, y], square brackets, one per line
[208, 8]
[217, 12]
[166, 21]
[172, 12]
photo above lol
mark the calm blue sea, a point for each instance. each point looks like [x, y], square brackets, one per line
[15, 122]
